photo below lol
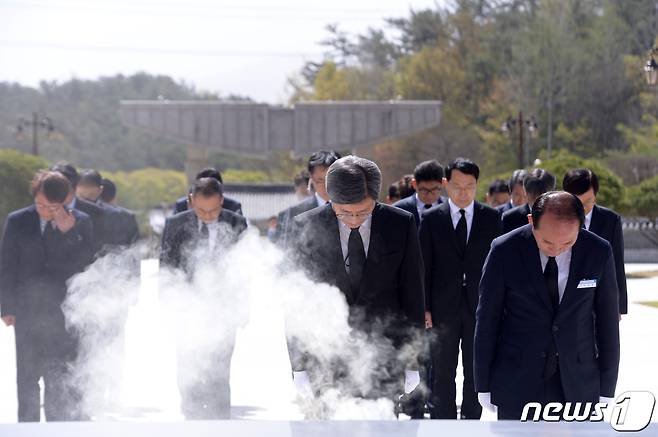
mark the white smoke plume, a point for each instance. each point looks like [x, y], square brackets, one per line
[226, 290]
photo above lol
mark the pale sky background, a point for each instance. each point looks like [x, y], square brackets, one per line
[246, 47]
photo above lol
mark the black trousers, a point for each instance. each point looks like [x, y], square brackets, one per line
[553, 392]
[44, 349]
[204, 376]
[447, 335]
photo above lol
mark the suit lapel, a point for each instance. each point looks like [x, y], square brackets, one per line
[375, 248]
[446, 220]
[335, 252]
[475, 224]
[533, 267]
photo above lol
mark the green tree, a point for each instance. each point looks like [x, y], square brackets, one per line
[16, 173]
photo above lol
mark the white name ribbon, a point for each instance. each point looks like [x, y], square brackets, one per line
[587, 283]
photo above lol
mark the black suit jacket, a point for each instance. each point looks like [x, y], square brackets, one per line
[34, 270]
[98, 215]
[505, 207]
[445, 267]
[409, 205]
[515, 218]
[391, 290]
[285, 218]
[516, 323]
[181, 234]
[607, 225]
[230, 204]
[121, 226]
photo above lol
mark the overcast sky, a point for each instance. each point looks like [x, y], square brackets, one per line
[246, 47]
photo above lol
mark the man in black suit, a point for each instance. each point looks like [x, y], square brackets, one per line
[536, 183]
[199, 235]
[428, 183]
[124, 230]
[370, 252]
[604, 222]
[517, 195]
[95, 212]
[43, 245]
[182, 204]
[455, 239]
[498, 194]
[318, 164]
[547, 322]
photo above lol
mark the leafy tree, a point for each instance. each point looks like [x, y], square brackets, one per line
[16, 173]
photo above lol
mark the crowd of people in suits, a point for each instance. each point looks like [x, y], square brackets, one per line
[529, 288]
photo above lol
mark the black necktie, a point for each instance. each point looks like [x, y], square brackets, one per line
[428, 205]
[204, 232]
[356, 256]
[48, 230]
[461, 230]
[550, 276]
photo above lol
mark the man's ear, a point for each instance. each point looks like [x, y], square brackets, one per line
[414, 184]
[444, 182]
[221, 200]
[530, 219]
[190, 200]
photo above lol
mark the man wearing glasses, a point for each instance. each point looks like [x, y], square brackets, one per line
[455, 238]
[428, 183]
[43, 245]
[370, 252]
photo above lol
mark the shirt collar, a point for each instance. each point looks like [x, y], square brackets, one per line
[365, 226]
[319, 199]
[454, 209]
[72, 204]
[566, 255]
[420, 205]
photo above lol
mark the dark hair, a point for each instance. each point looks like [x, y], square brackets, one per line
[323, 158]
[109, 190]
[580, 180]
[207, 187]
[406, 189]
[68, 171]
[517, 178]
[538, 182]
[565, 206]
[52, 184]
[498, 186]
[394, 190]
[351, 179]
[210, 172]
[301, 179]
[465, 166]
[428, 171]
[90, 177]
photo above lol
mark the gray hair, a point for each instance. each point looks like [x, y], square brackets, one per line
[351, 179]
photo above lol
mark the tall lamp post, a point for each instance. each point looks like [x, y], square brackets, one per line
[522, 124]
[45, 123]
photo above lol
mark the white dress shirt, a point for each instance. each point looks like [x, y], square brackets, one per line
[420, 206]
[344, 232]
[588, 219]
[563, 261]
[213, 231]
[319, 199]
[456, 215]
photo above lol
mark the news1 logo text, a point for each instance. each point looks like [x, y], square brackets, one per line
[630, 412]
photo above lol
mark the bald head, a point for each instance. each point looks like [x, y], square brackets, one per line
[557, 217]
[562, 206]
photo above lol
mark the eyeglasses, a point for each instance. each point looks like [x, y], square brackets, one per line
[429, 190]
[360, 215]
[50, 208]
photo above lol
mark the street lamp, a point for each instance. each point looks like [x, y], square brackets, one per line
[533, 129]
[651, 68]
[45, 123]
